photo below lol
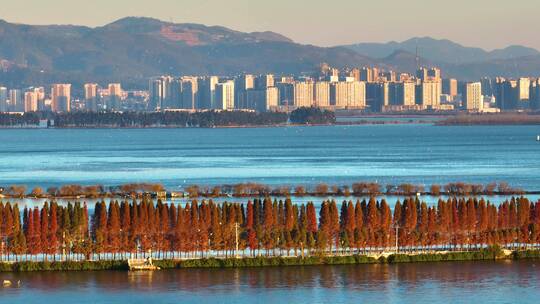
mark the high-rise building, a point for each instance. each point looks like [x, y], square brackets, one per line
[90, 91]
[402, 94]
[16, 101]
[174, 100]
[224, 95]
[115, 96]
[173, 93]
[390, 76]
[535, 95]
[487, 86]
[507, 94]
[434, 73]
[61, 97]
[303, 94]
[165, 93]
[512, 94]
[428, 93]
[286, 93]
[40, 93]
[348, 94]
[30, 101]
[241, 85]
[422, 73]
[155, 101]
[403, 77]
[286, 79]
[450, 87]
[3, 99]
[524, 87]
[366, 74]
[377, 95]
[322, 94]
[355, 73]
[207, 92]
[272, 99]
[472, 97]
[375, 74]
[264, 81]
[91, 96]
[189, 93]
[263, 100]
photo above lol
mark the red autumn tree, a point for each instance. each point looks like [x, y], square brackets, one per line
[53, 230]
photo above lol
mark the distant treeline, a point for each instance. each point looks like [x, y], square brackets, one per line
[211, 118]
[312, 115]
[492, 119]
[263, 227]
[17, 120]
[256, 190]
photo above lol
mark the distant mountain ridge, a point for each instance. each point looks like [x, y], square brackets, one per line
[132, 49]
[190, 33]
[441, 50]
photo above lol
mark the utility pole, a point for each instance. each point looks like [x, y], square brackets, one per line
[236, 239]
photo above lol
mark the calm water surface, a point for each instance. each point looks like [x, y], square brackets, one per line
[298, 155]
[463, 282]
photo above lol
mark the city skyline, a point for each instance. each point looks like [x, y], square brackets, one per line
[369, 89]
[462, 21]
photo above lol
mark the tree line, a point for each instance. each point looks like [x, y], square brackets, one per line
[250, 189]
[210, 118]
[492, 119]
[312, 115]
[263, 227]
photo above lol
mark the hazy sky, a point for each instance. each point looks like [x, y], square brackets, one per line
[484, 23]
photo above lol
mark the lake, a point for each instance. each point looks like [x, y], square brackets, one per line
[446, 282]
[414, 153]
[393, 154]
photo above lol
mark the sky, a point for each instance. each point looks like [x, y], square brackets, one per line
[489, 24]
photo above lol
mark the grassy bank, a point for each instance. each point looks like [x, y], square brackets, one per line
[481, 255]
[63, 266]
[266, 262]
[491, 119]
[526, 254]
[447, 257]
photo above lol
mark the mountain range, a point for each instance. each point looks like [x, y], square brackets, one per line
[442, 51]
[132, 49]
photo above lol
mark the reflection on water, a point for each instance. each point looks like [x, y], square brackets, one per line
[493, 282]
[388, 154]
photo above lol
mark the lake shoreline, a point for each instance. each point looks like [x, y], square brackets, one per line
[490, 254]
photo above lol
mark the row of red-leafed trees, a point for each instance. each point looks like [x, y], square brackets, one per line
[44, 232]
[263, 227]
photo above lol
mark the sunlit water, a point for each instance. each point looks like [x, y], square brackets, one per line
[446, 282]
[289, 155]
[293, 155]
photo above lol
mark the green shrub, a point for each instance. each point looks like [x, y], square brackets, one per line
[490, 253]
[65, 266]
[526, 254]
